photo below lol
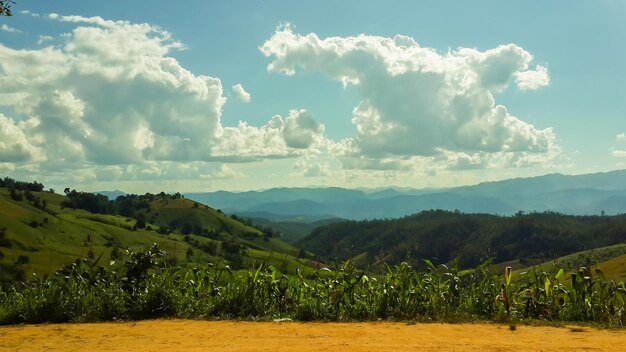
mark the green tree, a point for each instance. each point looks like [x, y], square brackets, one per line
[5, 7]
[141, 221]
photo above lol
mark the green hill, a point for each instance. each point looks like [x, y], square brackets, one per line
[40, 232]
[611, 260]
[443, 236]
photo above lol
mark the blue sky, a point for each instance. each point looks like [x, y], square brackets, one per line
[142, 99]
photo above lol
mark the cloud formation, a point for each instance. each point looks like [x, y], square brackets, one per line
[280, 137]
[110, 94]
[416, 102]
[6, 28]
[109, 101]
[241, 93]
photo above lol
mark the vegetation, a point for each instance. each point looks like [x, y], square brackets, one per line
[257, 276]
[5, 7]
[144, 286]
[442, 236]
[52, 230]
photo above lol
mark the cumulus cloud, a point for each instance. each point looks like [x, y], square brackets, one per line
[14, 145]
[621, 137]
[416, 102]
[241, 93]
[108, 101]
[6, 28]
[109, 96]
[280, 137]
[533, 79]
[301, 130]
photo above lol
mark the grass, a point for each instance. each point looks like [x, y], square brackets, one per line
[56, 236]
[611, 260]
[615, 267]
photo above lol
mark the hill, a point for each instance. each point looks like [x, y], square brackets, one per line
[611, 261]
[443, 236]
[290, 228]
[41, 231]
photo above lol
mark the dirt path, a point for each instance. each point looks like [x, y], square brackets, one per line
[185, 335]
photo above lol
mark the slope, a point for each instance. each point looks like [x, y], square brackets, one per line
[40, 239]
[443, 236]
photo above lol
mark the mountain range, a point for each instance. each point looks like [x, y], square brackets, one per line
[588, 194]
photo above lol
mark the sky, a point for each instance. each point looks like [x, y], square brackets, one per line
[150, 96]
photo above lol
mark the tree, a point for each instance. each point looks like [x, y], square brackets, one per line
[189, 253]
[141, 221]
[187, 228]
[5, 7]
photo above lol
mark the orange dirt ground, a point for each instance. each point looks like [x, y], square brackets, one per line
[186, 335]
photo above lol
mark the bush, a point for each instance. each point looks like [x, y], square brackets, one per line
[22, 259]
[4, 241]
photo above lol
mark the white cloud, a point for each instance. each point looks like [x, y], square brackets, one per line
[4, 27]
[301, 131]
[97, 20]
[533, 79]
[621, 137]
[26, 12]
[419, 103]
[223, 172]
[280, 137]
[241, 93]
[618, 153]
[14, 144]
[109, 99]
[107, 102]
[44, 38]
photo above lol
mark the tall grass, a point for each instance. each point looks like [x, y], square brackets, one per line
[143, 287]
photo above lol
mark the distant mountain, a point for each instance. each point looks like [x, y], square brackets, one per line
[587, 194]
[247, 201]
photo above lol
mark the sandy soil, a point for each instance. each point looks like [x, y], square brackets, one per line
[185, 335]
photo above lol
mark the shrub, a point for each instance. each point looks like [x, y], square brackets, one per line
[22, 259]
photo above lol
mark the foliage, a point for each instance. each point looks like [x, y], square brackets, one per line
[442, 236]
[5, 7]
[145, 287]
[10, 183]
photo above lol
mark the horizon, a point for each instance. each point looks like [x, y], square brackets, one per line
[367, 190]
[244, 96]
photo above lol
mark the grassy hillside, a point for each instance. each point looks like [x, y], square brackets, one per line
[615, 267]
[611, 260]
[36, 239]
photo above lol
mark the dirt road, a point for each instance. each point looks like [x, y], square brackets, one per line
[186, 335]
